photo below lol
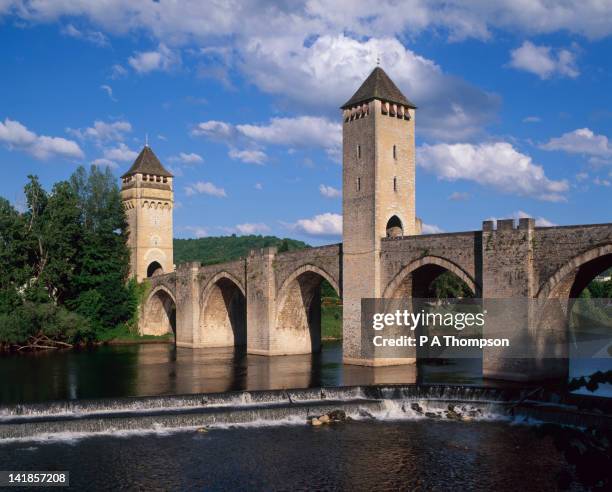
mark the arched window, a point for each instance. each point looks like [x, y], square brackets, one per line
[154, 269]
[394, 227]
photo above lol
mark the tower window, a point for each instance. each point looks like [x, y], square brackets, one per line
[395, 152]
[359, 152]
[394, 184]
[358, 184]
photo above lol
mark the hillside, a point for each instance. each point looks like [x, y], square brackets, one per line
[209, 250]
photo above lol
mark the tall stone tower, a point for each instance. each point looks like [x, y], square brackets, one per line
[146, 190]
[378, 187]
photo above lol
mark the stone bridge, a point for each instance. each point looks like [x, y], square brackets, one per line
[269, 301]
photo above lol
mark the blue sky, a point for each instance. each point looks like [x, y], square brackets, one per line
[240, 101]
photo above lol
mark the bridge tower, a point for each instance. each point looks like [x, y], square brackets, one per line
[147, 194]
[378, 194]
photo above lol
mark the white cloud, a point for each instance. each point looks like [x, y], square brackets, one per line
[301, 131]
[581, 141]
[532, 119]
[187, 158]
[215, 130]
[102, 131]
[162, 59]
[519, 214]
[459, 196]
[581, 176]
[118, 71]
[194, 20]
[327, 224]
[249, 156]
[431, 229]
[109, 91]
[249, 228]
[329, 191]
[544, 61]
[324, 74]
[601, 182]
[102, 162]
[17, 136]
[205, 188]
[197, 231]
[497, 165]
[258, 186]
[94, 37]
[120, 153]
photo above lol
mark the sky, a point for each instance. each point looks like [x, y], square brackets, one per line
[240, 101]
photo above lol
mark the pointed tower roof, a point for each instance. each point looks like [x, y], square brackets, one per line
[147, 163]
[378, 85]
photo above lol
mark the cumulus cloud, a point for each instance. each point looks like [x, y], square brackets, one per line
[109, 91]
[498, 165]
[101, 131]
[324, 74]
[299, 131]
[519, 214]
[582, 141]
[248, 228]
[601, 182]
[94, 37]
[456, 18]
[252, 156]
[327, 225]
[118, 71]
[329, 191]
[187, 158]
[120, 153]
[431, 229]
[205, 188]
[532, 119]
[16, 136]
[162, 59]
[213, 129]
[197, 231]
[544, 61]
[258, 186]
[458, 196]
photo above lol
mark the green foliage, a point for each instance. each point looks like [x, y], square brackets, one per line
[64, 261]
[331, 319]
[449, 286]
[211, 250]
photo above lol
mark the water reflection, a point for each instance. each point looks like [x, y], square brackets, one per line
[157, 369]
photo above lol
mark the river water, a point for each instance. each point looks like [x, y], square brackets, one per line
[358, 455]
[397, 450]
[162, 369]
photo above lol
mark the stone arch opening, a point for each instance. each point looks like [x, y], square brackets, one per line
[298, 319]
[573, 313]
[159, 314]
[223, 316]
[431, 277]
[154, 269]
[394, 227]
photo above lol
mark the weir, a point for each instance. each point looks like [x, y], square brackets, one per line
[282, 407]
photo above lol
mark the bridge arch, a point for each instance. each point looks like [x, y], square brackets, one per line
[569, 280]
[223, 312]
[298, 314]
[159, 313]
[435, 266]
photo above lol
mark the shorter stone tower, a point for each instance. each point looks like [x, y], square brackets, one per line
[146, 190]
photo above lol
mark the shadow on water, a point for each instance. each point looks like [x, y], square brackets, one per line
[162, 369]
